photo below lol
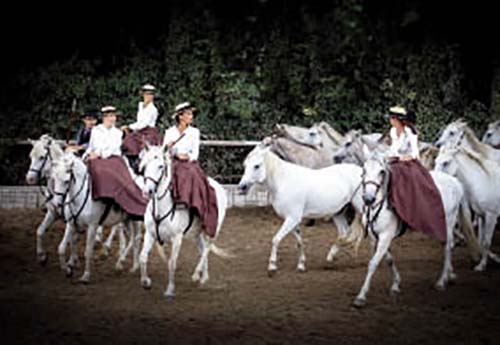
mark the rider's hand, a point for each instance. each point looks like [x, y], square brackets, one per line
[170, 144]
[406, 158]
[93, 155]
[182, 156]
[125, 129]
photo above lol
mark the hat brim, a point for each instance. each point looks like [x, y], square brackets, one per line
[178, 112]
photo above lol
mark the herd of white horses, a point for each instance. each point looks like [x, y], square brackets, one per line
[309, 173]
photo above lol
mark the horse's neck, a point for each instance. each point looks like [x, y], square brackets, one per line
[81, 184]
[328, 142]
[274, 171]
[333, 135]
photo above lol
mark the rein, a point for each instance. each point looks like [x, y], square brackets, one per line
[376, 208]
[38, 172]
[74, 216]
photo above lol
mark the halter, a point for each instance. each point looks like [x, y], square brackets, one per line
[377, 207]
[38, 172]
[159, 219]
[73, 216]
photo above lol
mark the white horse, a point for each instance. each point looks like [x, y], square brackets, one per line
[383, 224]
[73, 195]
[298, 192]
[164, 222]
[458, 133]
[492, 135]
[44, 153]
[481, 180]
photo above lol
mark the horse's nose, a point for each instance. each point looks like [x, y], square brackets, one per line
[243, 188]
[438, 144]
[368, 199]
[30, 180]
[337, 159]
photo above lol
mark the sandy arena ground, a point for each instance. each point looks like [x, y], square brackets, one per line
[240, 304]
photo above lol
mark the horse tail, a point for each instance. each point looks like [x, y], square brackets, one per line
[468, 230]
[161, 252]
[221, 252]
[354, 237]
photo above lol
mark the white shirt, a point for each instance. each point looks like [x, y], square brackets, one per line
[404, 145]
[189, 144]
[146, 117]
[105, 142]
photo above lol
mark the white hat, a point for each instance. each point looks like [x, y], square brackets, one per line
[181, 107]
[148, 88]
[398, 110]
[108, 109]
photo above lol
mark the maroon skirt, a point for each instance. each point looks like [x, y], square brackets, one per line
[416, 199]
[111, 180]
[191, 188]
[134, 141]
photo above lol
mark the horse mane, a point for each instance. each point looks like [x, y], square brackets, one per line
[475, 159]
[335, 136]
[477, 145]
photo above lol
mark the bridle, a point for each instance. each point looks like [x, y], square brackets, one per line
[40, 170]
[73, 216]
[375, 208]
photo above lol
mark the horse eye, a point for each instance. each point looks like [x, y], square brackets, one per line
[348, 144]
[160, 167]
[452, 133]
[256, 166]
[312, 134]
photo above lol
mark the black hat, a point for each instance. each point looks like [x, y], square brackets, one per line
[96, 114]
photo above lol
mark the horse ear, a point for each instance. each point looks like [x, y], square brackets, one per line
[366, 150]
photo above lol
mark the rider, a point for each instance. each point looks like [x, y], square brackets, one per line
[111, 177]
[144, 129]
[89, 119]
[190, 186]
[413, 193]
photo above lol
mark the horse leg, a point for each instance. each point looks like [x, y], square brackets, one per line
[288, 225]
[124, 253]
[383, 244]
[172, 265]
[136, 228]
[73, 259]
[490, 221]
[396, 278]
[49, 219]
[342, 228]
[201, 270]
[89, 253]
[447, 273]
[301, 266]
[149, 241]
[68, 232]
[98, 234]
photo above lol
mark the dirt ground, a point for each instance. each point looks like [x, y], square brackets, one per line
[240, 303]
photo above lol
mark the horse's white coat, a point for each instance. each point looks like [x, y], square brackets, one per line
[297, 192]
[90, 215]
[385, 227]
[480, 178]
[157, 171]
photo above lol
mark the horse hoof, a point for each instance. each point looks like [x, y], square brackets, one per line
[301, 269]
[479, 268]
[119, 267]
[84, 280]
[146, 283]
[395, 293]
[169, 296]
[42, 259]
[440, 286]
[69, 272]
[203, 280]
[134, 269]
[359, 303]
[271, 272]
